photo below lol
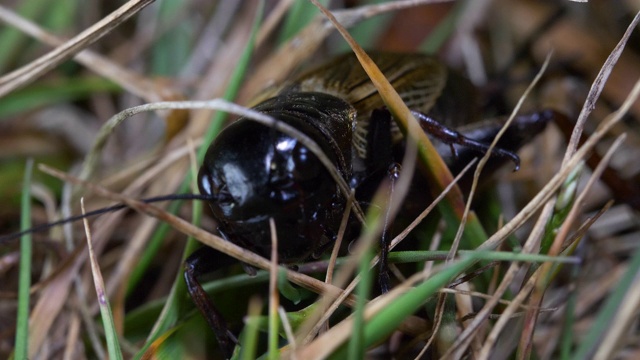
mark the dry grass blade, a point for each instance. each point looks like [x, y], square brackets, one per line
[288, 330]
[485, 158]
[597, 86]
[562, 235]
[417, 140]
[72, 338]
[273, 20]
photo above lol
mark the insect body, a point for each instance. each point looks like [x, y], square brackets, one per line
[253, 172]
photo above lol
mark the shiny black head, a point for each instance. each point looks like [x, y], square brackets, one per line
[253, 172]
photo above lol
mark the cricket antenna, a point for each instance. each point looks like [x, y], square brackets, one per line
[43, 227]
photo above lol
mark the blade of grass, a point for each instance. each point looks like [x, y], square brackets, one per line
[274, 300]
[356, 348]
[569, 320]
[105, 310]
[286, 326]
[564, 203]
[49, 93]
[597, 86]
[419, 256]
[169, 52]
[132, 81]
[11, 39]
[443, 31]
[22, 325]
[249, 337]
[300, 14]
[62, 16]
[368, 31]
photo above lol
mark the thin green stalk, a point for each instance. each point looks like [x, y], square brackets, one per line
[110, 333]
[274, 300]
[374, 217]
[249, 337]
[12, 40]
[566, 340]
[22, 326]
[419, 256]
[356, 344]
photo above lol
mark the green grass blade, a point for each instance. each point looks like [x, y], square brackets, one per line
[300, 14]
[419, 256]
[11, 39]
[439, 36]
[53, 92]
[387, 320]
[356, 347]
[61, 15]
[274, 334]
[22, 327]
[566, 340]
[170, 51]
[564, 203]
[111, 335]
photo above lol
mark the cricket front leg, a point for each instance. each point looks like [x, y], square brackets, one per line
[203, 261]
